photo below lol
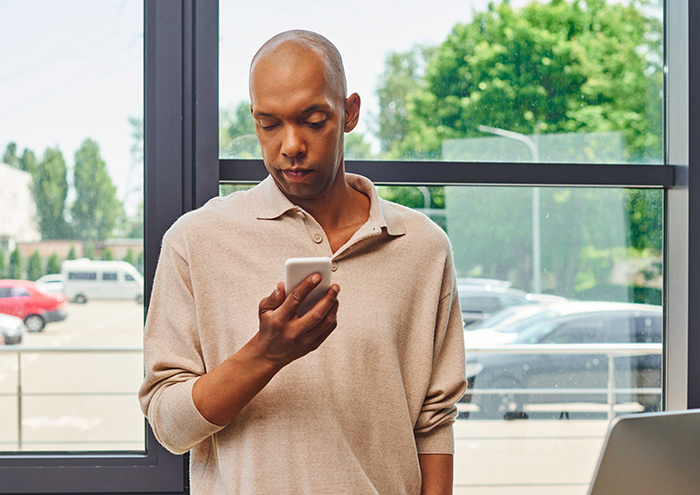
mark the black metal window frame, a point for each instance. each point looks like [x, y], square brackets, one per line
[183, 171]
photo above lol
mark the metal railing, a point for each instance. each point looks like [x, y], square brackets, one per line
[19, 350]
[610, 350]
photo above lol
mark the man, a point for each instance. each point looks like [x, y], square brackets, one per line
[370, 410]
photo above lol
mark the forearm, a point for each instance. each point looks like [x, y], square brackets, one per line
[220, 394]
[436, 473]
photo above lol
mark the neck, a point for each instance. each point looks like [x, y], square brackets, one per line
[338, 208]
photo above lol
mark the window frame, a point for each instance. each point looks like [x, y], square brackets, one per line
[183, 170]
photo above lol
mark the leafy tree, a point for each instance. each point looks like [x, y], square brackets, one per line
[356, 148]
[2, 264]
[10, 155]
[96, 207]
[89, 251]
[580, 66]
[129, 256]
[139, 263]
[28, 162]
[34, 266]
[53, 265]
[72, 254]
[107, 254]
[50, 192]
[237, 138]
[15, 268]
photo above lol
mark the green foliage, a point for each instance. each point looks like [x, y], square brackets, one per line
[50, 192]
[89, 251]
[34, 266]
[96, 207]
[139, 263]
[28, 162]
[356, 148]
[545, 68]
[237, 138]
[15, 269]
[2, 264]
[129, 256]
[72, 254]
[53, 265]
[107, 254]
[10, 155]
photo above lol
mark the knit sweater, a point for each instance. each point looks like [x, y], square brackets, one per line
[352, 416]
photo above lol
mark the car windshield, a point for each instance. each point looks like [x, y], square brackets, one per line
[493, 320]
[532, 328]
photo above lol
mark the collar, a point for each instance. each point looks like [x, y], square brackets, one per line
[271, 203]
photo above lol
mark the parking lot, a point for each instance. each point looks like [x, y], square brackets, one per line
[87, 401]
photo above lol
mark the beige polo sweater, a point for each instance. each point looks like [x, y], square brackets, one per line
[352, 416]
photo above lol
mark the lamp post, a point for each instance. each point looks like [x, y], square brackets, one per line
[536, 251]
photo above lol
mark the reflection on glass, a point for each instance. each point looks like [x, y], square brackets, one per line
[571, 82]
[596, 325]
[71, 226]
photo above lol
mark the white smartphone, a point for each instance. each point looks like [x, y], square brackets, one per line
[297, 269]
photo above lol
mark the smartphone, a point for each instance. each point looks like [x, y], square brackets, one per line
[297, 269]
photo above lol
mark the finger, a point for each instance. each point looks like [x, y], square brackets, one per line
[328, 321]
[296, 297]
[321, 337]
[273, 301]
[316, 314]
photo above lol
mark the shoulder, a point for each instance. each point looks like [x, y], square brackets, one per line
[217, 214]
[419, 230]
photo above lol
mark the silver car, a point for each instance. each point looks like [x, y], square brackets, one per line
[12, 329]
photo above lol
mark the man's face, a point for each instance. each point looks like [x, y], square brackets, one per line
[299, 120]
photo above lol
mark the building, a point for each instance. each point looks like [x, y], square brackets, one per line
[17, 209]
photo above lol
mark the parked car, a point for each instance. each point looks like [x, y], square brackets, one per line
[12, 329]
[570, 323]
[85, 280]
[504, 326]
[479, 301]
[51, 284]
[23, 299]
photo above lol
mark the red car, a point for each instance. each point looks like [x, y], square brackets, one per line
[23, 299]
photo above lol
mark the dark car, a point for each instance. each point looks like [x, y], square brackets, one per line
[571, 324]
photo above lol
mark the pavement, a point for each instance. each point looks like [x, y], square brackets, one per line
[87, 401]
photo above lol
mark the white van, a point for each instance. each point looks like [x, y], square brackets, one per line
[106, 280]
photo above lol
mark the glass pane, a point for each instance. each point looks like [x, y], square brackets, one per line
[71, 226]
[519, 81]
[534, 419]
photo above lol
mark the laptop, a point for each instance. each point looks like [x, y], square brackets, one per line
[650, 454]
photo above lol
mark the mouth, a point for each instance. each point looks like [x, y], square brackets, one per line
[296, 174]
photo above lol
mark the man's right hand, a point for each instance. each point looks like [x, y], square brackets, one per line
[221, 393]
[284, 336]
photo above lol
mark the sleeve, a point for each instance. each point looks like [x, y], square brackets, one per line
[433, 430]
[173, 358]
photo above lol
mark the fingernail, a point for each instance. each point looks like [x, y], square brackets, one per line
[316, 278]
[336, 288]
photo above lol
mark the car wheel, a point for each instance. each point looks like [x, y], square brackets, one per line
[501, 405]
[13, 340]
[139, 300]
[35, 323]
[80, 299]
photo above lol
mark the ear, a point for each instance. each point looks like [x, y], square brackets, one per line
[352, 111]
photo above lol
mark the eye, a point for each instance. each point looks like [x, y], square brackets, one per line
[317, 125]
[267, 126]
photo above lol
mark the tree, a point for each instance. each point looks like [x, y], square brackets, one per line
[96, 207]
[10, 155]
[50, 192]
[129, 256]
[570, 67]
[72, 254]
[107, 254]
[139, 263]
[356, 148]
[89, 251]
[2, 264]
[237, 138]
[53, 265]
[28, 162]
[15, 268]
[34, 266]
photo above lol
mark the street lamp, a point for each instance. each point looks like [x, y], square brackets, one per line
[536, 251]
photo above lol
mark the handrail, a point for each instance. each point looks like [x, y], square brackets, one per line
[20, 349]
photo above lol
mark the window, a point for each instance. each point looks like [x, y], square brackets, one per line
[129, 278]
[82, 276]
[111, 276]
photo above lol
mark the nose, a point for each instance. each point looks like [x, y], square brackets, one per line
[292, 142]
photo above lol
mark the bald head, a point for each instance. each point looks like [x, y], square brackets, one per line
[289, 46]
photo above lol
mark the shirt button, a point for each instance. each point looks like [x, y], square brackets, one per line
[301, 215]
[318, 238]
[334, 266]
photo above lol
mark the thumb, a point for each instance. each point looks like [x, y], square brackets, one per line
[274, 300]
